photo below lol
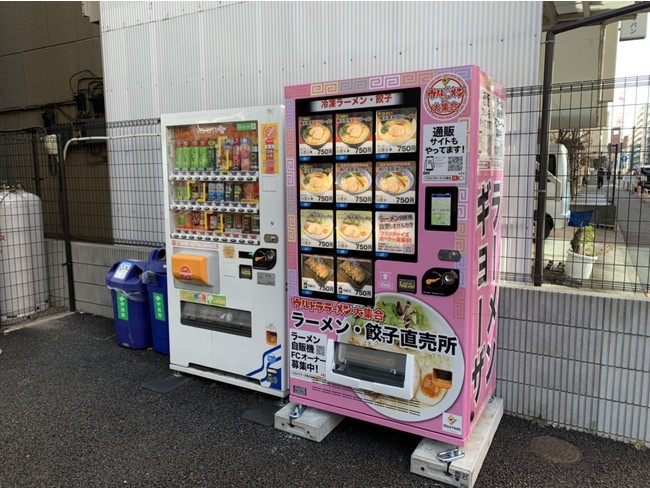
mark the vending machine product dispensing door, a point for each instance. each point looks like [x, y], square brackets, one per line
[394, 187]
[226, 248]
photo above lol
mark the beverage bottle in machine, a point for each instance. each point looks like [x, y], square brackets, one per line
[194, 155]
[203, 155]
[227, 166]
[245, 154]
[182, 155]
[212, 155]
[236, 156]
[221, 153]
[179, 155]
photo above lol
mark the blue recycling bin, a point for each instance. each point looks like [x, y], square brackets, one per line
[130, 304]
[155, 278]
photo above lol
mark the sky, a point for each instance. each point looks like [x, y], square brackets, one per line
[632, 59]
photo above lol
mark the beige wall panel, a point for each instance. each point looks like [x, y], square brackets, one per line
[65, 62]
[62, 21]
[12, 91]
[85, 28]
[38, 87]
[9, 28]
[89, 57]
[33, 25]
[11, 121]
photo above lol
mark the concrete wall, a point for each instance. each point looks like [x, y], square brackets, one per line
[576, 359]
[91, 262]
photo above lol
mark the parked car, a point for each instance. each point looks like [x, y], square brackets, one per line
[644, 171]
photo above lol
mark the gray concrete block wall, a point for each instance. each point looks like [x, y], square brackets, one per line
[576, 359]
[91, 263]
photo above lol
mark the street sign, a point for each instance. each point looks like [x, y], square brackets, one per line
[623, 159]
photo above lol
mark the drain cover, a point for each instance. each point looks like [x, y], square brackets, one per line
[556, 450]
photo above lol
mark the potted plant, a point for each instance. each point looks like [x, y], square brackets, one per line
[581, 257]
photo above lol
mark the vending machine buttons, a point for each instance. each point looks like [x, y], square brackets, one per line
[440, 282]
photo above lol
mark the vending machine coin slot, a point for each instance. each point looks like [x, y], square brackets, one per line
[449, 255]
[440, 282]
[264, 259]
[271, 238]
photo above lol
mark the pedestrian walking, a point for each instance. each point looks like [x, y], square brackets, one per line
[609, 175]
[601, 178]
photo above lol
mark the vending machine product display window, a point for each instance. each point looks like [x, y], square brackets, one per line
[394, 187]
[225, 226]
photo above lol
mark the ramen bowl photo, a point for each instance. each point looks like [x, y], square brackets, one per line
[355, 229]
[316, 135]
[354, 182]
[317, 182]
[395, 182]
[317, 227]
[397, 131]
[354, 134]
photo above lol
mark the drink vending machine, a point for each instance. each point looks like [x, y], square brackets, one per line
[226, 247]
[394, 186]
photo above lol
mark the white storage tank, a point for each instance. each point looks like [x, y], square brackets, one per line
[23, 265]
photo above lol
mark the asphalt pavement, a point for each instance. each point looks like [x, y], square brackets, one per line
[74, 413]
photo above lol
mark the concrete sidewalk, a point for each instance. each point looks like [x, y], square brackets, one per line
[74, 413]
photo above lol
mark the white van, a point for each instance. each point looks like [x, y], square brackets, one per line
[558, 188]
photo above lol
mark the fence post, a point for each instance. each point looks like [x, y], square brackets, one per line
[66, 224]
[37, 167]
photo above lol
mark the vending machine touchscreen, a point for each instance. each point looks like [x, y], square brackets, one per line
[225, 226]
[393, 237]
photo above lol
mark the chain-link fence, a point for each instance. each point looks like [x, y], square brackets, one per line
[103, 183]
[597, 208]
[33, 278]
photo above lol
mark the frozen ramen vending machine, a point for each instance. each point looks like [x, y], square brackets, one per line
[226, 248]
[394, 186]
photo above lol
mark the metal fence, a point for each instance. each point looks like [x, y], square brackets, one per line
[33, 278]
[604, 127]
[103, 183]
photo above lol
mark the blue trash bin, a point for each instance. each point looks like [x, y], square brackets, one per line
[130, 304]
[155, 278]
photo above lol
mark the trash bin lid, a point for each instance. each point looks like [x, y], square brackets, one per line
[126, 275]
[157, 261]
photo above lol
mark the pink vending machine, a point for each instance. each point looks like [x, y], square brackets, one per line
[394, 186]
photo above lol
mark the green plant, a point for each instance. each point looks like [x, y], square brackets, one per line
[593, 430]
[584, 240]
[539, 420]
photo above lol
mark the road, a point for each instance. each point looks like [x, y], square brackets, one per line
[633, 217]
